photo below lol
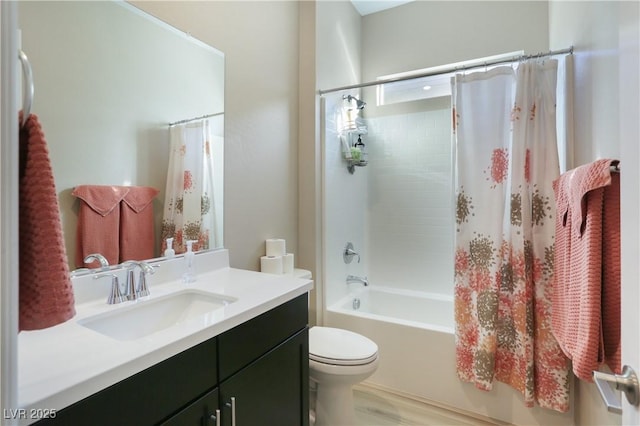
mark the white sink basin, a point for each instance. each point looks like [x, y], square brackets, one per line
[145, 317]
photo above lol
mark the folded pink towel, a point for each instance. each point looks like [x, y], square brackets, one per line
[46, 294]
[137, 236]
[586, 289]
[98, 222]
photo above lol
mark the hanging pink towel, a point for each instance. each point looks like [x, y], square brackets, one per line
[137, 236]
[586, 292]
[98, 222]
[46, 295]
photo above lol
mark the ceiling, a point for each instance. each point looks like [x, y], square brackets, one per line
[365, 7]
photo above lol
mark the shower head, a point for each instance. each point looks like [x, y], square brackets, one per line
[359, 104]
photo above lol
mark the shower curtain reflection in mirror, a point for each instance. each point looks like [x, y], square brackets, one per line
[189, 210]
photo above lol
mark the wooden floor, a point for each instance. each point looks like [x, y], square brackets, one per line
[378, 407]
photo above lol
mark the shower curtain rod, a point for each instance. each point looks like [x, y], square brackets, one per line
[448, 70]
[202, 117]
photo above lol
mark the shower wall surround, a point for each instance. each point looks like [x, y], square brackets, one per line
[410, 202]
[397, 211]
[345, 204]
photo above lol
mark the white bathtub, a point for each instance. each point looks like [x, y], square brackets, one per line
[414, 332]
[405, 307]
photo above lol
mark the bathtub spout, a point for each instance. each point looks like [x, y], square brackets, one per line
[355, 279]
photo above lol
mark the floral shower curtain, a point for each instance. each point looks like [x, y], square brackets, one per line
[189, 212]
[507, 158]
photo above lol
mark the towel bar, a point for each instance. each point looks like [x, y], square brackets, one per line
[27, 86]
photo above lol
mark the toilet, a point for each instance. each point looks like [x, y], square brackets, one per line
[338, 359]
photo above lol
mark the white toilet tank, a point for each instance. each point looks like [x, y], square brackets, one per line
[302, 273]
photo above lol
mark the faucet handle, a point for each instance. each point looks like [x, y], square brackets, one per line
[145, 269]
[349, 253]
[115, 295]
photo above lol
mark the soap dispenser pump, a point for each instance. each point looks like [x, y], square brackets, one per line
[189, 274]
[169, 252]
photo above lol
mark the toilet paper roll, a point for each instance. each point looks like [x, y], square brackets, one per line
[276, 247]
[271, 264]
[287, 263]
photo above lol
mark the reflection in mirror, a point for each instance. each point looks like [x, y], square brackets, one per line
[108, 81]
[190, 207]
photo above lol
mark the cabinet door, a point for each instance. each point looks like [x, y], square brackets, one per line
[273, 390]
[201, 413]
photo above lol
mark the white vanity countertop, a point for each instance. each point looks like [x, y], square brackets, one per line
[61, 365]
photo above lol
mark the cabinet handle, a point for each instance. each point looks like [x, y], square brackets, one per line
[232, 404]
[216, 417]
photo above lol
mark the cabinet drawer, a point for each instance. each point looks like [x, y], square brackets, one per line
[150, 396]
[243, 344]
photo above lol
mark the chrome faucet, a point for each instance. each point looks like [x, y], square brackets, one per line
[132, 292]
[356, 279]
[104, 263]
[141, 290]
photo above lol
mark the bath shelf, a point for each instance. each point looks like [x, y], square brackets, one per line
[351, 165]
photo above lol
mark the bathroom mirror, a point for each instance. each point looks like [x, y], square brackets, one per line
[109, 79]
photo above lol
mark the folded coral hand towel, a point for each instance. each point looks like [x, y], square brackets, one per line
[98, 222]
[137, 235]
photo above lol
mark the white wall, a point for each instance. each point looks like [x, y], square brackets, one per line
[429, 33]
[309, 252]
[629, 88]
[596, 31]
[260, 43]
[592, 28]
[338, 44]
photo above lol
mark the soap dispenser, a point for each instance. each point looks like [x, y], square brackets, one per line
[169, 252]
[363, 155]
[189, 274]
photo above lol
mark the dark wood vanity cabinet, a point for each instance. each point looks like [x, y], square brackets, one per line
[264, 367]
[260, 366]
[151, 395]
[273, 390]
[201, 412]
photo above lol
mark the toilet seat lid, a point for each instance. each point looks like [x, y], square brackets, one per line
[340, 347]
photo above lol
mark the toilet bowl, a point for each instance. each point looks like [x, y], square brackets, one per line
[338, 359]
